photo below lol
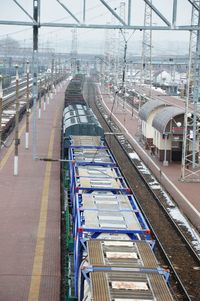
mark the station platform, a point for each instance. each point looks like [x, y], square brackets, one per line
[30, 213]
[186, 195]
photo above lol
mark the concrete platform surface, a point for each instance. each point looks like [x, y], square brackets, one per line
[30, 213]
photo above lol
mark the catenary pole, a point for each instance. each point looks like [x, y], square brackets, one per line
[17, 141]
[27, 106]
[1, 104]
[36, 13]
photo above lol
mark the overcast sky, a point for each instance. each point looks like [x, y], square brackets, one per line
[96, 13]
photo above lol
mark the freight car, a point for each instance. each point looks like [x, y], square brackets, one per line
[73, 93]
[6, 81]
[108, 244]
[8, 114]
[80, 120]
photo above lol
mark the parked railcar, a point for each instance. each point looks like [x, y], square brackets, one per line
[6, 81]
[80, 120]
[121, 270]
[73, 93]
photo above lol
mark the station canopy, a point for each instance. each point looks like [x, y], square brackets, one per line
[162, 118]
[149, 107]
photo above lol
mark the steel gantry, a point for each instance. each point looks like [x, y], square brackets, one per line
[190, 162]
[146, 66]
[122, 24]
[190, 170]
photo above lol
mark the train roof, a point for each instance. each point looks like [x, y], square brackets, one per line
[92, 155]
[101, 212]
[80, 120]
[89, 149]
[124, 271]
[86, 141]
[100, 180]
[97, 172]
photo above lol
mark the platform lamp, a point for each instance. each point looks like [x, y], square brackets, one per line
[133, 90]
[40, 100]
[1, 104]
[45, 93]
[17, 141]
[165, 136]
[27, 106]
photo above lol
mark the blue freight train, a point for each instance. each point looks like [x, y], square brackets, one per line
[109, 248]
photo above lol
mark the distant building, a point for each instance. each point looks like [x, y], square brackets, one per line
[163, 77]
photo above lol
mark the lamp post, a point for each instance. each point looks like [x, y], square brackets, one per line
[132, 102]
[17, 141]
[45, 95]
[165, 161]
[1, 102]
[166, 136]
[27, 107]
[52, 78]
[48, 89]
[39, 109]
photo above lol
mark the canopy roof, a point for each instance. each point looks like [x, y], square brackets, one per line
[149, 107]
[162, 118]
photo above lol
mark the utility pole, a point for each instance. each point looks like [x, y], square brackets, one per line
[48, 88]
[146, 61]
[123, 86]
[36, 17]
[74, 47]
[122, 15]
[124, 66]
[27, 106]
[146, 65]
[17, 141]
[1, 107]
[107, 56]
[45, 95]
[39, 110]
[52, 77]
[190, 168]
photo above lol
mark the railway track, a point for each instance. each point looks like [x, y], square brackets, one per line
[174, 248]
[10, 98]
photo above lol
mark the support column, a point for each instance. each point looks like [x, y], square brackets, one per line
[1, 101]
[17, 141]
[27, 107]
[36, 17]
[39, 105]
[45, 94]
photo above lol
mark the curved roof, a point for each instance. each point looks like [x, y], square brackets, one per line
[162, 118]
[149, 107]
